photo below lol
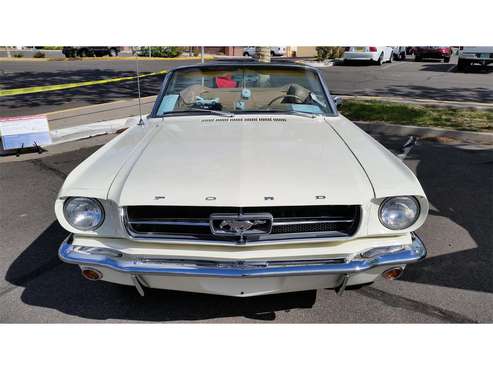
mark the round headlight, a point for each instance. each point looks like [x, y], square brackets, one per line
[399, 213]
[83, 213]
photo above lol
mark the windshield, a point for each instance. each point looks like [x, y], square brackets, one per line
[248, 89]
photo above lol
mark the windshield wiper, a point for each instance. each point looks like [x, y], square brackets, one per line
[289, 112]
[214, 112]
[302, 114]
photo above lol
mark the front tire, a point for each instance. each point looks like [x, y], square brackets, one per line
[113, 52]
[245, 54]
[462, 65]
[380, 60]
[446, 59]
[83, 53]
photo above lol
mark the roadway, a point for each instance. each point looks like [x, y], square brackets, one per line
[423, 80]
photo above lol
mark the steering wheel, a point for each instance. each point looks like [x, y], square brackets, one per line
[284, 96]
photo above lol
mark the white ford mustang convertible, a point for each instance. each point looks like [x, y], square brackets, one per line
[243, 180]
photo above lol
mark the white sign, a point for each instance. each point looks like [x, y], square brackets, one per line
[24, 132]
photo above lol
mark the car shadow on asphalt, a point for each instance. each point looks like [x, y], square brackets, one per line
[467, 94]
[437, 66]
[60, 286]
[458, 183]
[477, 69]
[459, 186]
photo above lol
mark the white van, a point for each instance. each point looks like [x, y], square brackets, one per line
[474, 54]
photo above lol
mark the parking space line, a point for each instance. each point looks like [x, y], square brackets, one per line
[388, 65]
[394, 300]
[454, 66]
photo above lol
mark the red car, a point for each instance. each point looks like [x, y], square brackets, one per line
[434, 52]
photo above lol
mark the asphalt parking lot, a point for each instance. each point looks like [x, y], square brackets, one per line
[429, 79]
[19, 74]
[453, 284]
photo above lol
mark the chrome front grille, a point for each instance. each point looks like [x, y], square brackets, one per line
[288, 222]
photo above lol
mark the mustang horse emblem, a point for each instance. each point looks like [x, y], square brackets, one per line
[239, 226]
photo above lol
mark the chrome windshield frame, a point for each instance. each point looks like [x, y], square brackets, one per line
[212, 65]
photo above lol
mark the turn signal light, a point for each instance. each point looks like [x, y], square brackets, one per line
[393, 273]
[91, 274]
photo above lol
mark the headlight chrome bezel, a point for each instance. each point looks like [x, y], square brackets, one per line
[387, 200]
[95, 202]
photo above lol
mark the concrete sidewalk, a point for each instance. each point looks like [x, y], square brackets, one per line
[98, 113]
[78, 123]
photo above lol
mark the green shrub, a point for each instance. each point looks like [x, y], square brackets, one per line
[160, 51]
[18, 55]
[329, 52]
[39, 55]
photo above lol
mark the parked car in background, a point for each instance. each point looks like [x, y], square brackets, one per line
[432, 52]
[372, 54]
[275, 51]
[469, 55]
[399, 52]
[244, 180]
[90, 51]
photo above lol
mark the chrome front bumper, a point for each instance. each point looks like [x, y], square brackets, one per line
[142, 265]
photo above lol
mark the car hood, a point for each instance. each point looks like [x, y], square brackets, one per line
[242, 162]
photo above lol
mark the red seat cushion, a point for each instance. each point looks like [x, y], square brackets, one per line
[224, 82]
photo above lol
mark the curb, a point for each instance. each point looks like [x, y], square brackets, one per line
[38, 89]
[23, 59]
[206, 57]
[428, 132]
[63, 59]
[324, 64]
[75, 133]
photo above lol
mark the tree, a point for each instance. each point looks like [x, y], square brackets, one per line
[329, 52]
[263, 54]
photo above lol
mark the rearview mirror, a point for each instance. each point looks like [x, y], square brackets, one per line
[338, 101]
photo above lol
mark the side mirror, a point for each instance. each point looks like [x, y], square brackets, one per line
[338, 101]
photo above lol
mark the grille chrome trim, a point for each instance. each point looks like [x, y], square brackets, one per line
[285, 230]
[309, 222]
[170, 222]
